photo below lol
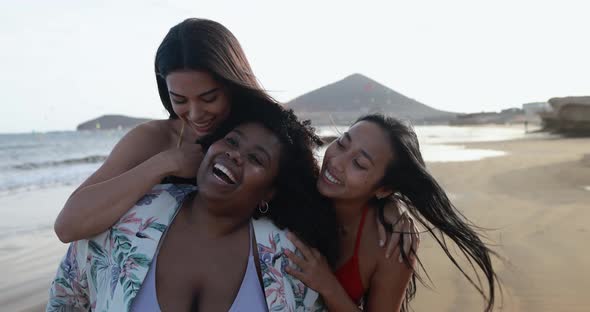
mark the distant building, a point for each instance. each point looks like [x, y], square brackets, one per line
[532, 110]
[506, 116]
[569, 115]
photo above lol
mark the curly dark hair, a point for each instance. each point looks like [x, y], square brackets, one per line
[297, 205]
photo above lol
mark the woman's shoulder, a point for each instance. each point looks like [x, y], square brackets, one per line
[370, 250]
[163, 129]
[147, 138]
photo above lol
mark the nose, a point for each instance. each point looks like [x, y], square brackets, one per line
[195, 111]
[234, 155]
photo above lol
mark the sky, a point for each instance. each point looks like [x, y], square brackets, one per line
[65, 62]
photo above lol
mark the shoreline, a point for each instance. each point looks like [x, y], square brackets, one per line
[533, 197]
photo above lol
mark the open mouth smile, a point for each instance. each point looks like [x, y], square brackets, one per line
[330, 178]
[222, 173]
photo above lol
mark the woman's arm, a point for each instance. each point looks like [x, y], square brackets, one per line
[391, 277]
[136, 164]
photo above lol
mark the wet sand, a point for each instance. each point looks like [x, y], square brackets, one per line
[29, 254]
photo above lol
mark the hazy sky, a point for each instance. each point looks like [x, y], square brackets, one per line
[64, 62]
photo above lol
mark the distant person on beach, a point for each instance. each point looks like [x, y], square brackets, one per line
[376, 159]
[183, 248]
[205, 83]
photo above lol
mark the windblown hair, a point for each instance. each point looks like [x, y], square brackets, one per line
[205, 45]
[429, 204]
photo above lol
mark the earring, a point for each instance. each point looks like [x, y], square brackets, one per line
[263, 207]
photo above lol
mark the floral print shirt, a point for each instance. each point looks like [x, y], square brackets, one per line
[105, 272]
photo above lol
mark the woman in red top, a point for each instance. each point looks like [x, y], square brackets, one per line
[379, 158]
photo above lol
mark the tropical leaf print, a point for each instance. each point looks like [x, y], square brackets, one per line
[180, 191]
[114, 263]
[146, 199]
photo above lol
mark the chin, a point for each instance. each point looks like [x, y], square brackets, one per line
[326, 192]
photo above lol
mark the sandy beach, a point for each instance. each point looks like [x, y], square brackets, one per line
[29, 256]
[535, 201]
[535, 198]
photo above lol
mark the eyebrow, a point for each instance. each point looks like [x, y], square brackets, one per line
[200, 95]
[347, 135]
[258, 147]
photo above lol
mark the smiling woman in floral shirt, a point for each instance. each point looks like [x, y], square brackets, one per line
[194, 244]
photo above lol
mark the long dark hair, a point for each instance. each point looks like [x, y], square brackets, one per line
[205, 45]
[429, 204]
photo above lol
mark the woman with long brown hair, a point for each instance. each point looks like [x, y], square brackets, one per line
[205, 82]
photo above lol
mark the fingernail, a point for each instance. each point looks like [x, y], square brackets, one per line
[387, 256]
[400, 259]
[381, 243]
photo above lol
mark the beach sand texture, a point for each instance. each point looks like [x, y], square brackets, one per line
[29, 258]
[535, 199]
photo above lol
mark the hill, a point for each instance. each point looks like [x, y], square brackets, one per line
[345, 100]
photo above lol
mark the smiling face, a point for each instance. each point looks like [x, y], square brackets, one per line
[239, 170]
[198, 99]
[355, 163]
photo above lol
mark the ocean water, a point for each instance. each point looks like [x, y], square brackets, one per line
[39, 160]
[440, 143]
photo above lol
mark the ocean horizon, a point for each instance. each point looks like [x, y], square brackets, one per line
[30, 161]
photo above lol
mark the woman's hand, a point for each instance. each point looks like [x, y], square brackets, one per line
[184, 161]
[396, 213]
[314, 270]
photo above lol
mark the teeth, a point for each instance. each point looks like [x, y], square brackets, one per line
[202, 124]
[331, 178]
[228, 173]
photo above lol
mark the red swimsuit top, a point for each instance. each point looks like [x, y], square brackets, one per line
[349, 274]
